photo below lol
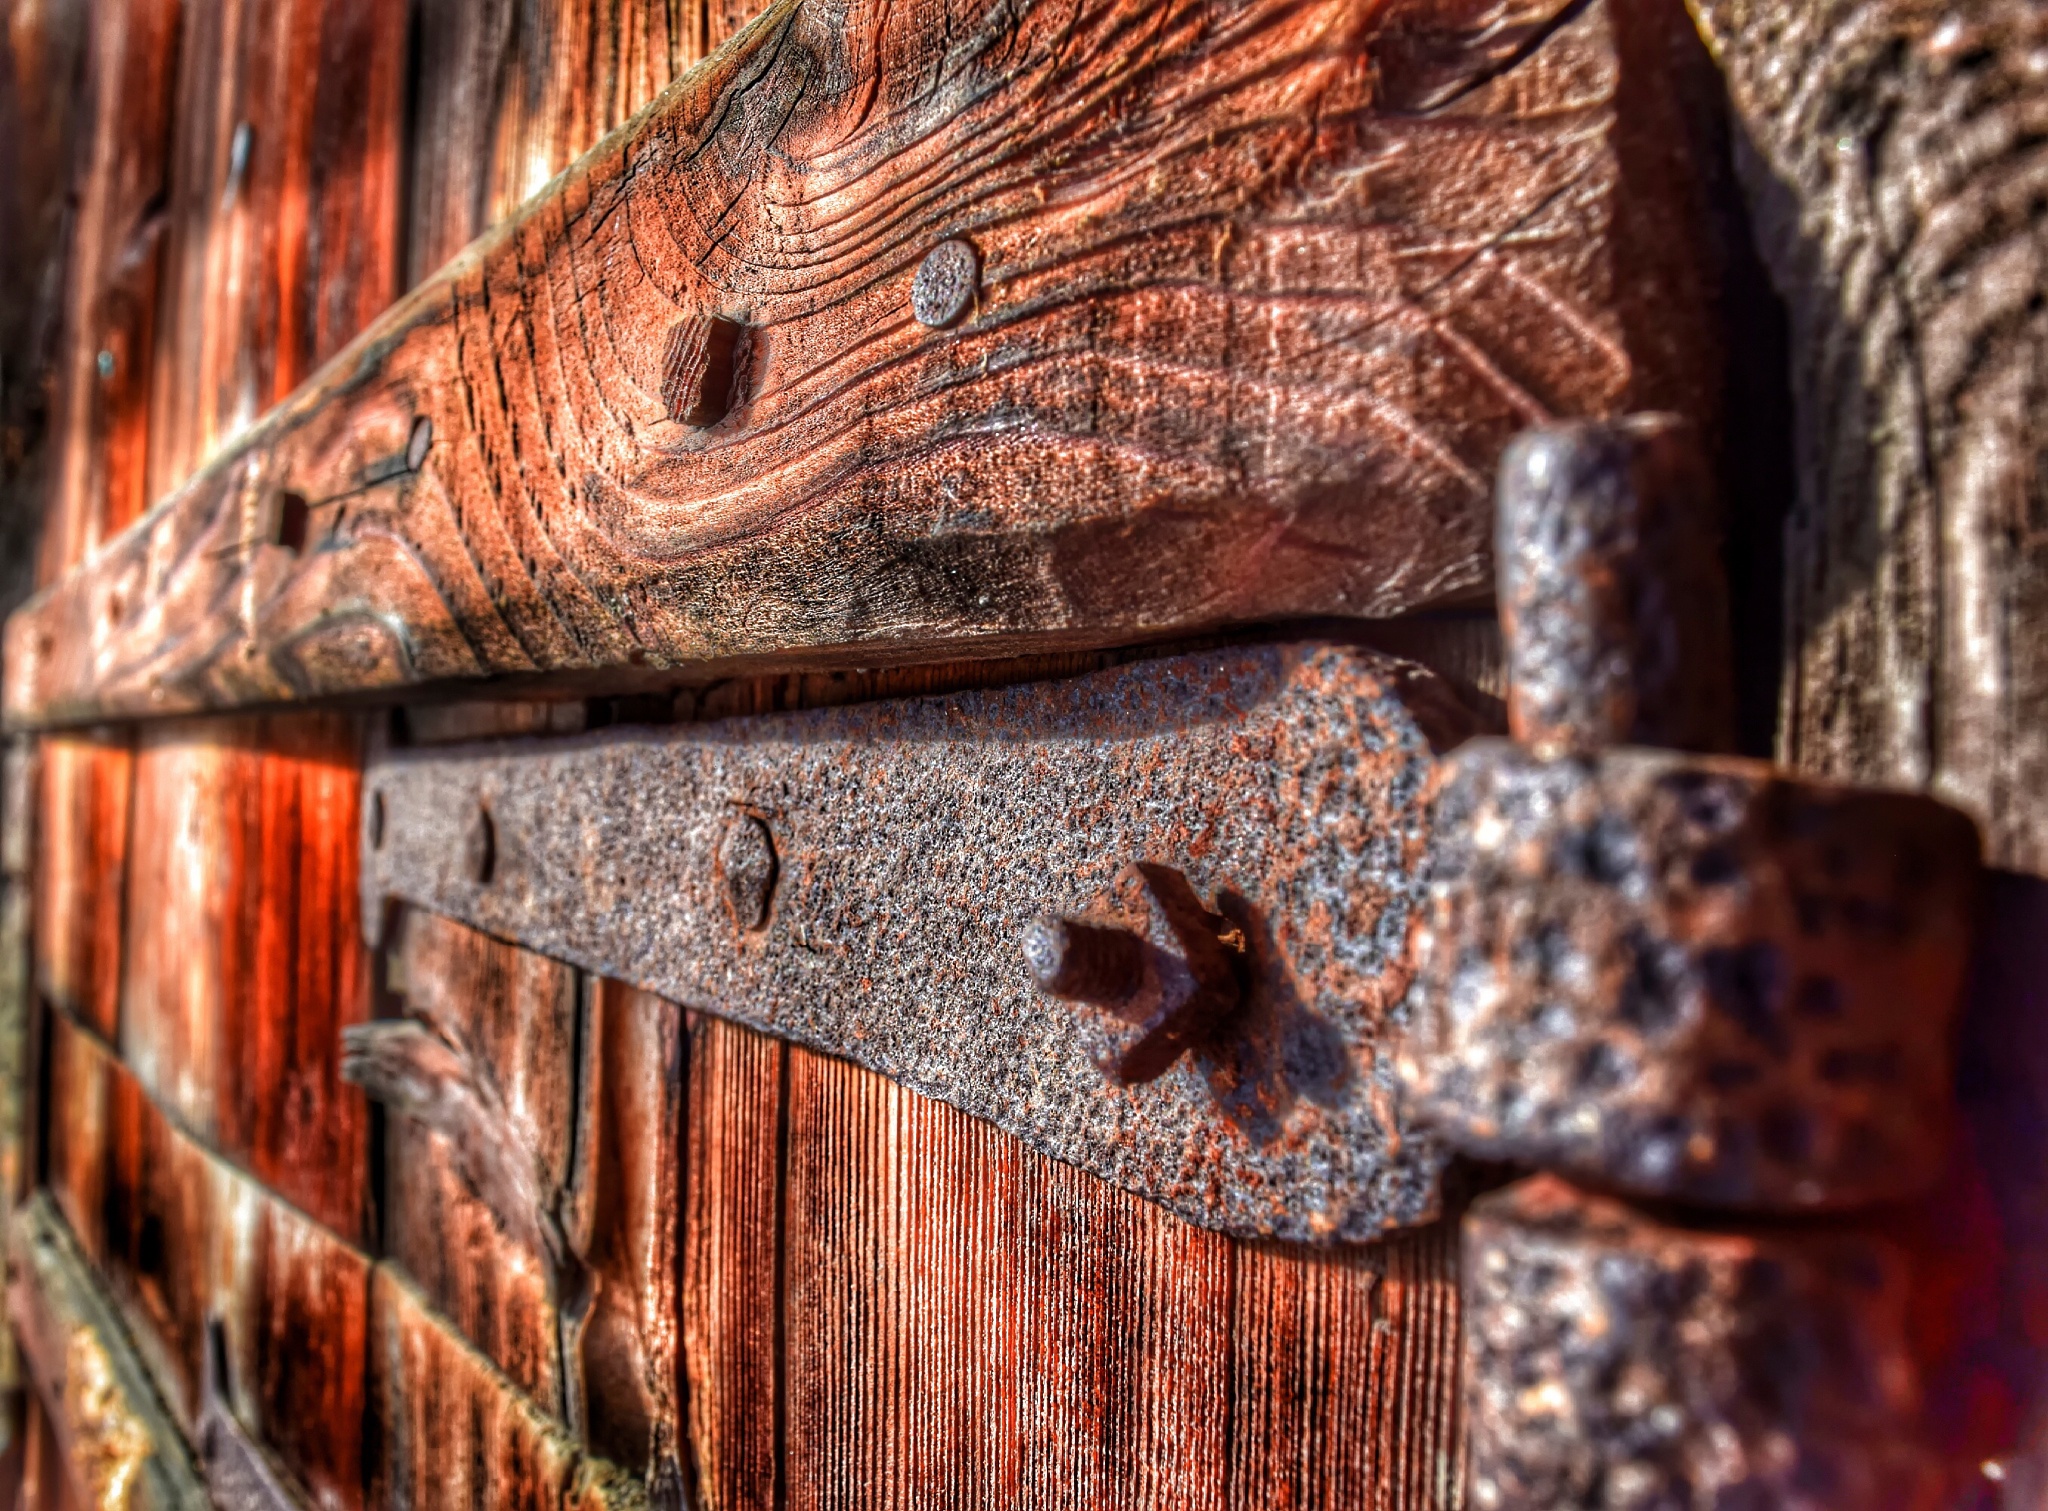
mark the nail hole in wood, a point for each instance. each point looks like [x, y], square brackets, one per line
[483, 847]
[294, 517]
[699, 369]
[376, 821]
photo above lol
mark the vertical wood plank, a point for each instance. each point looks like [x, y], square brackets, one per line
[110, 314]
[187, 1245]
[970, 1322]
[284, 209]
[1346, 1375]
[513, 1013]
[511, 93]
[731, 1301]
[81, 853]
[629, 1353]
[244, 955]
[452, 1432]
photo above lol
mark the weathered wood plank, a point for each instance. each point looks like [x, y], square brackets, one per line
[117, 1447]
[1893, 172]
[453, 1433]
[195, 1251]
[628, 1352]
[244, 954]
[81, 856]
[1263, 288]
[282, 212]
[513, 1015]
[507, 95]
[99, 482]
[731, 1301]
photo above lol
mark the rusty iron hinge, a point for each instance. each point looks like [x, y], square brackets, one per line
[1238, 837]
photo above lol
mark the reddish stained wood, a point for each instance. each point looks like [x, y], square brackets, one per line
[514, 1014]
[969, 1321]
[972, 1322]
[452, 1432]
[100, 483]
[244, 954]
[730, 1302]
[283, 209]
[626, 1229]
[508, 94]
[81, 852]
[1262, 294]
[187, 1244]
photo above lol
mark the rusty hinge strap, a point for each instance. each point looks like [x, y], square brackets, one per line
[862, 880]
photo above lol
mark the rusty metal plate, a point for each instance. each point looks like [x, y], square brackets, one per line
[861, 880]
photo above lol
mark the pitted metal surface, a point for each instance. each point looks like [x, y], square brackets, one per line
[1693, 978]
[905, 849]
[1619, 1361]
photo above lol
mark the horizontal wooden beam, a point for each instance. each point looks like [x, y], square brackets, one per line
[887, 334]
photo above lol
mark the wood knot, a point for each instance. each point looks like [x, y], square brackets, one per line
[702, 370]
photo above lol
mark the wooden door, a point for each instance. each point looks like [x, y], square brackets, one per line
[435, 375]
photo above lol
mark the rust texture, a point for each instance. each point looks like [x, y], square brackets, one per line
[1692, 977]
[1614, 1360]
[916, 840]
[123, 1454]
[1263, 290]
[1612, 601]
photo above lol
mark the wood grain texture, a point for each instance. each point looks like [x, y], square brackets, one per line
[244, 954]
[1264, 287]
[513, 1015]
[187, 1244]
[282, 209]
[1897, 153]
[81, 854]
[972, 1323]
[508, 94]
[455, 1434]
[99, 481]
[730, 1300]
[628, 1354]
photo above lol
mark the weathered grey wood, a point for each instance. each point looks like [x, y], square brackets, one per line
[1896, 163]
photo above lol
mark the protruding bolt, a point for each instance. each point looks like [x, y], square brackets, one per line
[1179, 1000]
[1084, 962]
[480, 847]
[746, 867]
[946, 283]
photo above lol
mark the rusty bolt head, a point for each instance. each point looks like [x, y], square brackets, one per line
[480, 847]
[1083, 962]
[746, 869]
[946, 283]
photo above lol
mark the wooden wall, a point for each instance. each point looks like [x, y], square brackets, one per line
[792, 1283]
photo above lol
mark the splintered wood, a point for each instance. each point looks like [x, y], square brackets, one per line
[1261, 293]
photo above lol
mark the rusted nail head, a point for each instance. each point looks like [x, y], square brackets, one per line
[747, 865]
[946, 283]
[1083, 962]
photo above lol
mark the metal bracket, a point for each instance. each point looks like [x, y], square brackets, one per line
[862, 880]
